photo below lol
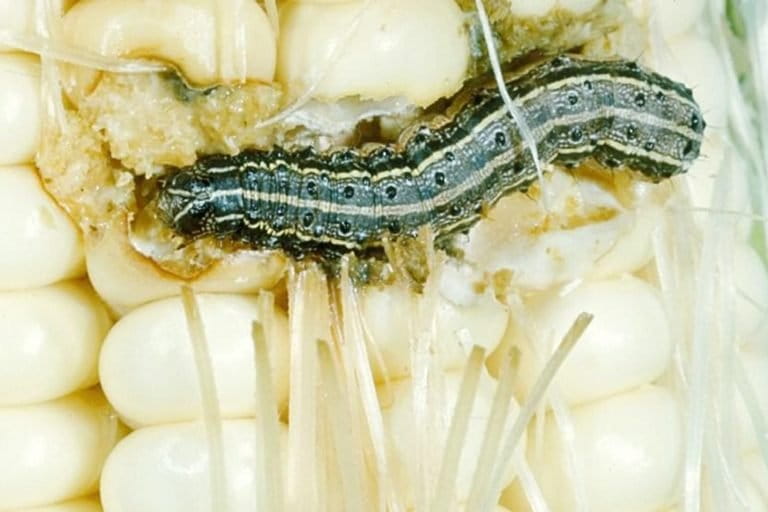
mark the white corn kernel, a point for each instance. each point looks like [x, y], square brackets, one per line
[405, 452]
[672, 18]
[627, 453]
[749, 295]
[125, 279]
[147, 363]
[627, 344]
[388, 313]
[49, 342]
[524, 8]
[41, 243]
[167, 469]
[54, 451]
[17, 18]
[19, 108]
[372, 49]
[755, 367]
[81, 505]
[189, 34]
[677, 17]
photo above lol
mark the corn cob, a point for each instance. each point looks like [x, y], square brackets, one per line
[369, 418]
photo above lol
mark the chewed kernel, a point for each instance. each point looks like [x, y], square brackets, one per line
[206, 51]
[125, 279]
[577, 6]
[531, 8]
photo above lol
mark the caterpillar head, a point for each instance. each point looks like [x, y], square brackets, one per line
[185, 203]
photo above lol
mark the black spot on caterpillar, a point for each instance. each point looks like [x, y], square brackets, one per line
[304, 201]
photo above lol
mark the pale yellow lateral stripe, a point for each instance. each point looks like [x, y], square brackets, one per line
[458, 190]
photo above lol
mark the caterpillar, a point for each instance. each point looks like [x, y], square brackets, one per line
[439, 175]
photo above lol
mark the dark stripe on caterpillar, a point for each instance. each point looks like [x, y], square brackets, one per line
[443, 176]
